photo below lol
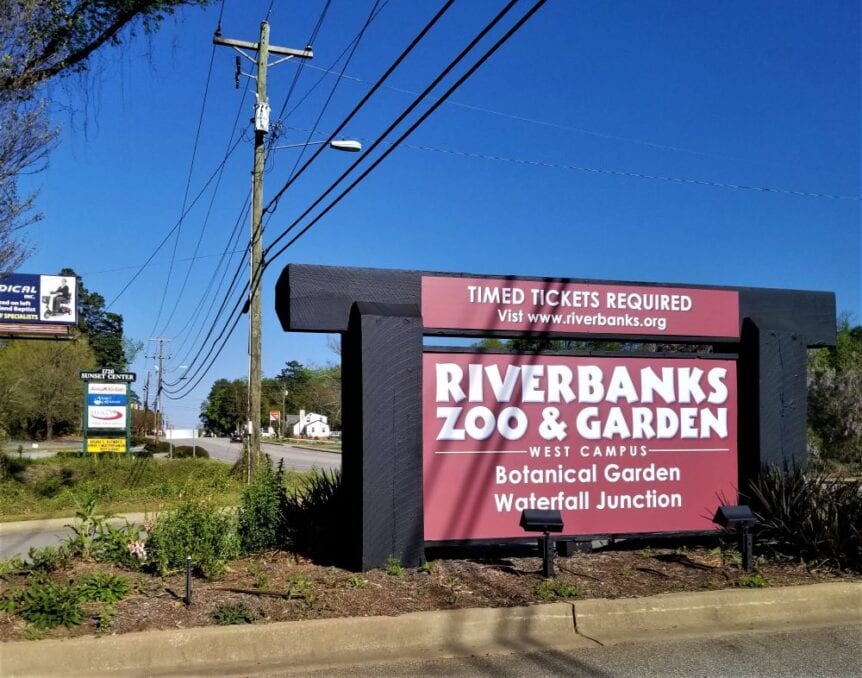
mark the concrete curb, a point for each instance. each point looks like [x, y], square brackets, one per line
[682, 615]
[317, 644]
[51, 524]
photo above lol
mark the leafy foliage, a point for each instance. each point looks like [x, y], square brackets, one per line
[261, 525]
[804, 513]
[48, 558]
[40, 386]
[233, 613]
[313, 513]
[195, 529]
[834, 396]
[46, 604]
[554, 589]
[393, 567]
[102, 587]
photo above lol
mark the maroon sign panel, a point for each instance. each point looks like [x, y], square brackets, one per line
[577, 308]
[619, 445]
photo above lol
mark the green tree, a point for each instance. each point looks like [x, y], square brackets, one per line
[104, 330]
[226, 406]
[835, 397]
[41, 386]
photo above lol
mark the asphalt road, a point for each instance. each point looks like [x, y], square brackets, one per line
[295, 458]
[833, 651]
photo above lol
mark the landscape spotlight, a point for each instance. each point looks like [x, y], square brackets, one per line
[741, 519]
[539, 520]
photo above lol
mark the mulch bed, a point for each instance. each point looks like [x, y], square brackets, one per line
[280, 586]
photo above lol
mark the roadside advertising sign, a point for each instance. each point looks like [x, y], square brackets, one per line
[275, 415]
[502, 304]
[106, 406]
[618, 444]
[97, 445]
[36, 299]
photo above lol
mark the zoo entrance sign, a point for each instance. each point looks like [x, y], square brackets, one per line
[450, 445]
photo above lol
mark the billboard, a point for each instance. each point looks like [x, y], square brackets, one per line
[617, 444]
[106, 406]
[37, 299]
[508, 305]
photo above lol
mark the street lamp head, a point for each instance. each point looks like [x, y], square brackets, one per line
[349, 145]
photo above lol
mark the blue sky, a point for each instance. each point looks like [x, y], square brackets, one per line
[606, 140]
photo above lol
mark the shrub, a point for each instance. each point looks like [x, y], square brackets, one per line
[47, 605]
[102, 587]
[47, 558]
[153, 447]
[260, 524]
[553, 589]
[313, 513]
[195, 529]
[803, 513]
[233, 613]
[12, 468]
[189, 452]
[751, 581]
[357, 581]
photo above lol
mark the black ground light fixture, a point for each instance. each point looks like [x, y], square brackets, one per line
[741, 519]
[538, 520]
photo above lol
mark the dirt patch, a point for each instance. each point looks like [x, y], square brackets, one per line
[280, 586]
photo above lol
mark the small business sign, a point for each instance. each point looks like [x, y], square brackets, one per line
[106, 403]
[543, 306]
[107, 374]
[38, 299]
[99, 445]
[620, 445]
[275, 415]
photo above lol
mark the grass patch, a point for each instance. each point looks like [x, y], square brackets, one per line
[554, 589]
[49, 487]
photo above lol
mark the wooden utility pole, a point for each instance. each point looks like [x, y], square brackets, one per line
[159, 383]
[251, 446]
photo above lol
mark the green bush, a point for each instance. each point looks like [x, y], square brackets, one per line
[47, 605]
[12, 468]
[195, 529]
[233, 613]
[189, 452]
[47, 558]
[153, 447]
[102, 587]
[260, 525]
[806, 514]
[314, 513]
[553, 589]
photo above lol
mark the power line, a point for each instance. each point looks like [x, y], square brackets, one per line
[185, 197]
[394, 65]
[404, 54]
[499, 43]
[164, 240]
[332, 91]
[452, 64]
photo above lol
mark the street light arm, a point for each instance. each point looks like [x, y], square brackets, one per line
[348, 145]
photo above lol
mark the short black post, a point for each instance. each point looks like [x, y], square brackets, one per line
[188, 580]
[746, 546]
[547, 547]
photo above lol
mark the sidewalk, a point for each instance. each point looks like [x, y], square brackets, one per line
[327, 643]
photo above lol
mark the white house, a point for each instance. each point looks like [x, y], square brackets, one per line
[311, 425]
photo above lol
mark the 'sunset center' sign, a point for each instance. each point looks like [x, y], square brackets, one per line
[450, 302]
[619, 445]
